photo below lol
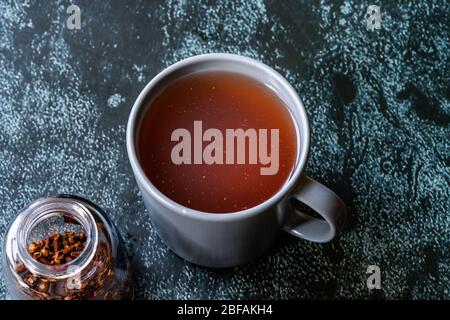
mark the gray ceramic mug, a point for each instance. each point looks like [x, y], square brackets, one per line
[226, 240]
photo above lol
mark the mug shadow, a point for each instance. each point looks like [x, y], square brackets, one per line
[291, 269]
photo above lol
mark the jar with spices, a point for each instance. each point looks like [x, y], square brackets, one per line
[65, 247]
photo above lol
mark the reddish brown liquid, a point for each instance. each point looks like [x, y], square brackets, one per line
[220, 100]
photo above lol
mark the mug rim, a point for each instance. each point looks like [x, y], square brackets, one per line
[303, 142]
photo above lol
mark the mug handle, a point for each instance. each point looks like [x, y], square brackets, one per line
[323, 201]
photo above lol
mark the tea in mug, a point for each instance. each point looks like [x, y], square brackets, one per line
[217, 142]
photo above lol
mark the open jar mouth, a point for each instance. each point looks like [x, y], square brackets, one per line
[50, 208]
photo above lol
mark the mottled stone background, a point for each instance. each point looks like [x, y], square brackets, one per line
[378, 104]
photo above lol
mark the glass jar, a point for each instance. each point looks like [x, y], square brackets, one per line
[96, 268]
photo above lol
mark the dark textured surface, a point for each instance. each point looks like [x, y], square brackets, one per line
[378, 104]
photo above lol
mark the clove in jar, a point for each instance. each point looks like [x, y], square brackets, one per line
[36, 266]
